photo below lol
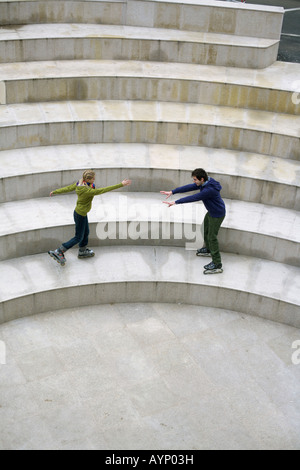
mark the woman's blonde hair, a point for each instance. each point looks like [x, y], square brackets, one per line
[87, 175]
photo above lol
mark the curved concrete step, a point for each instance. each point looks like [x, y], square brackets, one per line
[90, 41]
[244, 20]
[31, 125]
[270, 89]
[34, 172]
[35, 226]
[62, 11]
[35, 284]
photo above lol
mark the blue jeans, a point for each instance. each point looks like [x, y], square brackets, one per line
[82, 231]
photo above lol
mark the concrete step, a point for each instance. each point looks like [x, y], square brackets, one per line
[270, 89]
[36, 284]
[190, 15]
[119, 218]
[77, 122]
[90, 41]
[34, 172]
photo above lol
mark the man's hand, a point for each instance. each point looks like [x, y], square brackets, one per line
[126, 182]
[169, 203]
[167, 193]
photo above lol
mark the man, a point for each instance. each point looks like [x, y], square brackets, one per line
[210, 195]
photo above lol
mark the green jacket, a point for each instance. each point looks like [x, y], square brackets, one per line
[85, 195]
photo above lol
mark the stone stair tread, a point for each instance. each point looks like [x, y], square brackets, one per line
[40, 213]
[20, 43]
[145, 111]
[198, 15]
[77, 30]
[218, 4]
[279, 76]
[52, 159]
[30, 275]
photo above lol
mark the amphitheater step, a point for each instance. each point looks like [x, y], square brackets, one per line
[73, 122]
[35, 226]
[228, 18]
[270, 89]
[34, 172]
[36, 284]
[90, 41]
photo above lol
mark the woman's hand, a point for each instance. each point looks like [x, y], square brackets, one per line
[51, 194]
[126, 182]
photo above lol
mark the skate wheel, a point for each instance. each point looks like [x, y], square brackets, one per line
[209, 271]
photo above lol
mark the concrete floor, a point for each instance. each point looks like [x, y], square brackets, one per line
[148, 376]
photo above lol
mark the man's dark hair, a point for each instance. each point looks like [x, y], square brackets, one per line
[200, 173]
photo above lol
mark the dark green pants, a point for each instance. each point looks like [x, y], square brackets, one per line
[211, 230]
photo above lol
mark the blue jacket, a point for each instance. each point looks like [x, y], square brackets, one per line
[209, 194]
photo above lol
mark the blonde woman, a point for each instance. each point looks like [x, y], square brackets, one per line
[85, 190]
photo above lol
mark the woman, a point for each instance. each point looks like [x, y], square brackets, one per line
[85, 190]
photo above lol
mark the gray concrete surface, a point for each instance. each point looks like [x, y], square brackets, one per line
[102, 42]
[289, 47]
[149, 376]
